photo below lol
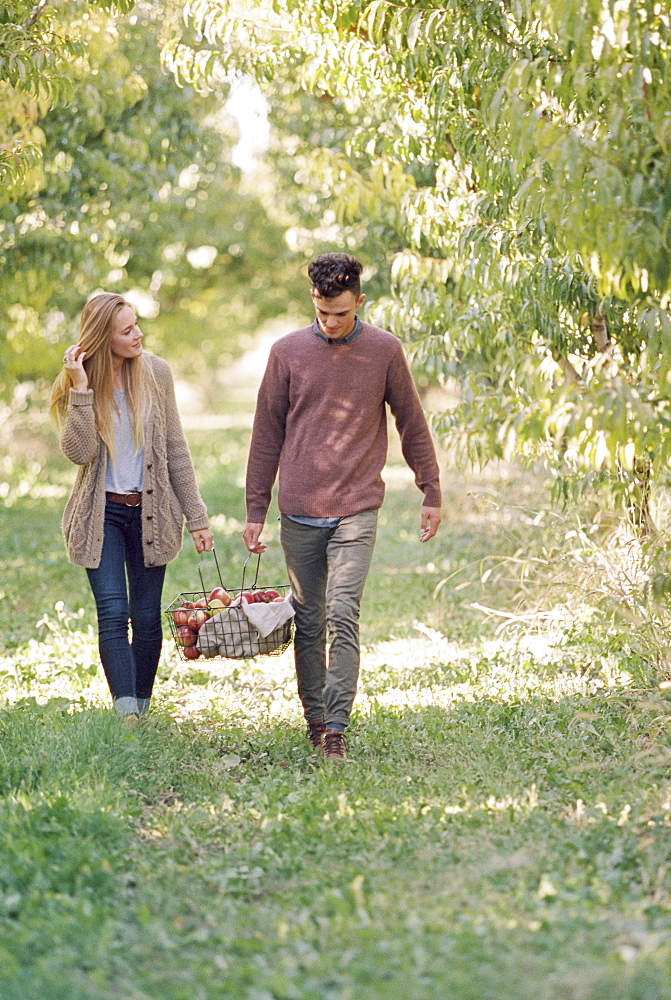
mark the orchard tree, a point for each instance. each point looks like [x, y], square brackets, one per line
[133, 188]
[525, 144]
[38, 47]
[100, 153]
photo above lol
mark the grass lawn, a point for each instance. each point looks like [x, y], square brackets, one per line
[501, 829]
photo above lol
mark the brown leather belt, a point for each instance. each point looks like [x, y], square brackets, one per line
[133, 499]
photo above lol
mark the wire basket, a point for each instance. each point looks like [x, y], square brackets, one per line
[226, 633]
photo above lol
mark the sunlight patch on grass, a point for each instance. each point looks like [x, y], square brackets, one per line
[409, 674]
[63, 662]
[414, 673]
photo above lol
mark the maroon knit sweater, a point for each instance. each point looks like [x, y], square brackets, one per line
[320, 418]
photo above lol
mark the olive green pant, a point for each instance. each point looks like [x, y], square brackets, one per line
[327, 570]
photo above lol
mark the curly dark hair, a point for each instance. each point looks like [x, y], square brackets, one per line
[333, 273]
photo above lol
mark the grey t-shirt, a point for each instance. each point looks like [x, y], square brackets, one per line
[124, 474]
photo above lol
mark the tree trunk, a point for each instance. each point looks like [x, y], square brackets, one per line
[600, 332]
[638, 500]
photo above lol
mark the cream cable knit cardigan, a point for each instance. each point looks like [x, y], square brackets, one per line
[169, 488]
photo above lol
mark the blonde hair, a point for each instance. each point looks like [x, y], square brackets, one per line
[96, 328]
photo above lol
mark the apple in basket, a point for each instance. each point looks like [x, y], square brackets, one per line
[180, 615]
[202, 603]
[271, 595]
[185, 636]
[220, 594]
[196, 618]
[191, 652]
[247, 597]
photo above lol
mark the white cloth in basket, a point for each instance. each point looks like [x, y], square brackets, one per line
[233, 633]
[267, 617]
[227, 634]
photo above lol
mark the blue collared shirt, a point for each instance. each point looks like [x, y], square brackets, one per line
[352, 335]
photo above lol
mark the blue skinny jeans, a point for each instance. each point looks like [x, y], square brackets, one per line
[130, 665]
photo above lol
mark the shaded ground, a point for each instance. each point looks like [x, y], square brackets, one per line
[500, 831]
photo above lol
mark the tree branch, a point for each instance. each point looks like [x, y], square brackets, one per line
[600, 332]
[37, 10]
[568, 370]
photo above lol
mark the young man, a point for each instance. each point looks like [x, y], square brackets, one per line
[321, 420]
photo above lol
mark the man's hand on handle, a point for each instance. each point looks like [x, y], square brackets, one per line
[251, 537]
[429, 523]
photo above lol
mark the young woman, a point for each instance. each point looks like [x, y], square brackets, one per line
[115, 406]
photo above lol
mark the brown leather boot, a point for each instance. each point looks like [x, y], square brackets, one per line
[315, 733]
[333, 745]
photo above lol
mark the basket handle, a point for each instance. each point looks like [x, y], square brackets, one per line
[200, 572]
[256, 575]
[216, 561]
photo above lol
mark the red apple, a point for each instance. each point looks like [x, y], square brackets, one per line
[185, 636]
[220, 594]
[196, 618]
[246, 596]
[271, 595]
[192, 652]
[180, 615]
[277, 600]
[202, 603]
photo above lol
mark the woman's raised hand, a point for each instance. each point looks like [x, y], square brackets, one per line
[73, 362]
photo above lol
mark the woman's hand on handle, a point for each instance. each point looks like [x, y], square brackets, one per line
[203, 540]
[251, 537]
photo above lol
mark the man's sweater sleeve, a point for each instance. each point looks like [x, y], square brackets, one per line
[268, 432]
[416, 443]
